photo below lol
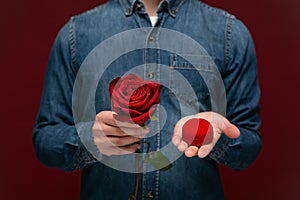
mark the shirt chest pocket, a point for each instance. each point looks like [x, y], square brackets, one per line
[190, 80]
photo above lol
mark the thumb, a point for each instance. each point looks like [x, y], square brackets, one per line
[230, 130]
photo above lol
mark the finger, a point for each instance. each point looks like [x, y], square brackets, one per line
[123, 132]
[177, 134]
[140, 132]
[107, 130]
[114, 141]
[126, 124]
[182, 146]
[191, 151]
[178, 130]
[230, 130]
[176, 140]
[122, 141]
[107, 118]
[221, 124]
[112, 130]
[205, 150]
[102, 142]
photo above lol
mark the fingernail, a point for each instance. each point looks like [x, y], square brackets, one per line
[176, 141]
[200, 155]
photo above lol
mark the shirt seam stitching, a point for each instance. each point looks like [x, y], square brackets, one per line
[72, 41]
[228, 35]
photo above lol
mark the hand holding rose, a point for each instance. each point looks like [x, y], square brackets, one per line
[219, 125]
[133, 101]
[114, 138]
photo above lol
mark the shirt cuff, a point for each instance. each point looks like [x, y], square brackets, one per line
[86, 141]
[220, 150]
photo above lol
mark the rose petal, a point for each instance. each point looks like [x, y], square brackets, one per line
[134, 99]
[141, 119]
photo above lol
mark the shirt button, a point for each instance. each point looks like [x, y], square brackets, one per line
[128, 10]
[139, 5]
[173, 11]
[151, 38]
[151, 75]
[150, 195]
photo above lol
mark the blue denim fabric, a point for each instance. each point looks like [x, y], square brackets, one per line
[228, 43]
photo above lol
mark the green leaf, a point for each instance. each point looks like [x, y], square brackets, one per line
[153, 118]
[131, 197]
[138, 155]
[158, 160]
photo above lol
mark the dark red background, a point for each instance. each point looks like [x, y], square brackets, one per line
[28, 29]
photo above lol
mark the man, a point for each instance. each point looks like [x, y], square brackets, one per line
[213, 77]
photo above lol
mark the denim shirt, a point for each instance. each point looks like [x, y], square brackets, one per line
[225, 43]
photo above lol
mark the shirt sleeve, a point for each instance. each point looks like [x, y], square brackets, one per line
[242, 94]
[55, 137]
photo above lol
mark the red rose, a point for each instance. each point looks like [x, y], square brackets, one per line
[134, 99]
[197, 132]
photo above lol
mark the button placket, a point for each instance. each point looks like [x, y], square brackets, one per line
[139, 5]
[151, 38]
[150, 195]
[151, 75]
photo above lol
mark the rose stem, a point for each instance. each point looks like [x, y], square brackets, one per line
[137, 176]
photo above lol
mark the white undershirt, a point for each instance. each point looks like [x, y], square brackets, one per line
[153, 19]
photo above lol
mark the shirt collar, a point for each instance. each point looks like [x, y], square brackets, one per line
[172, 6]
